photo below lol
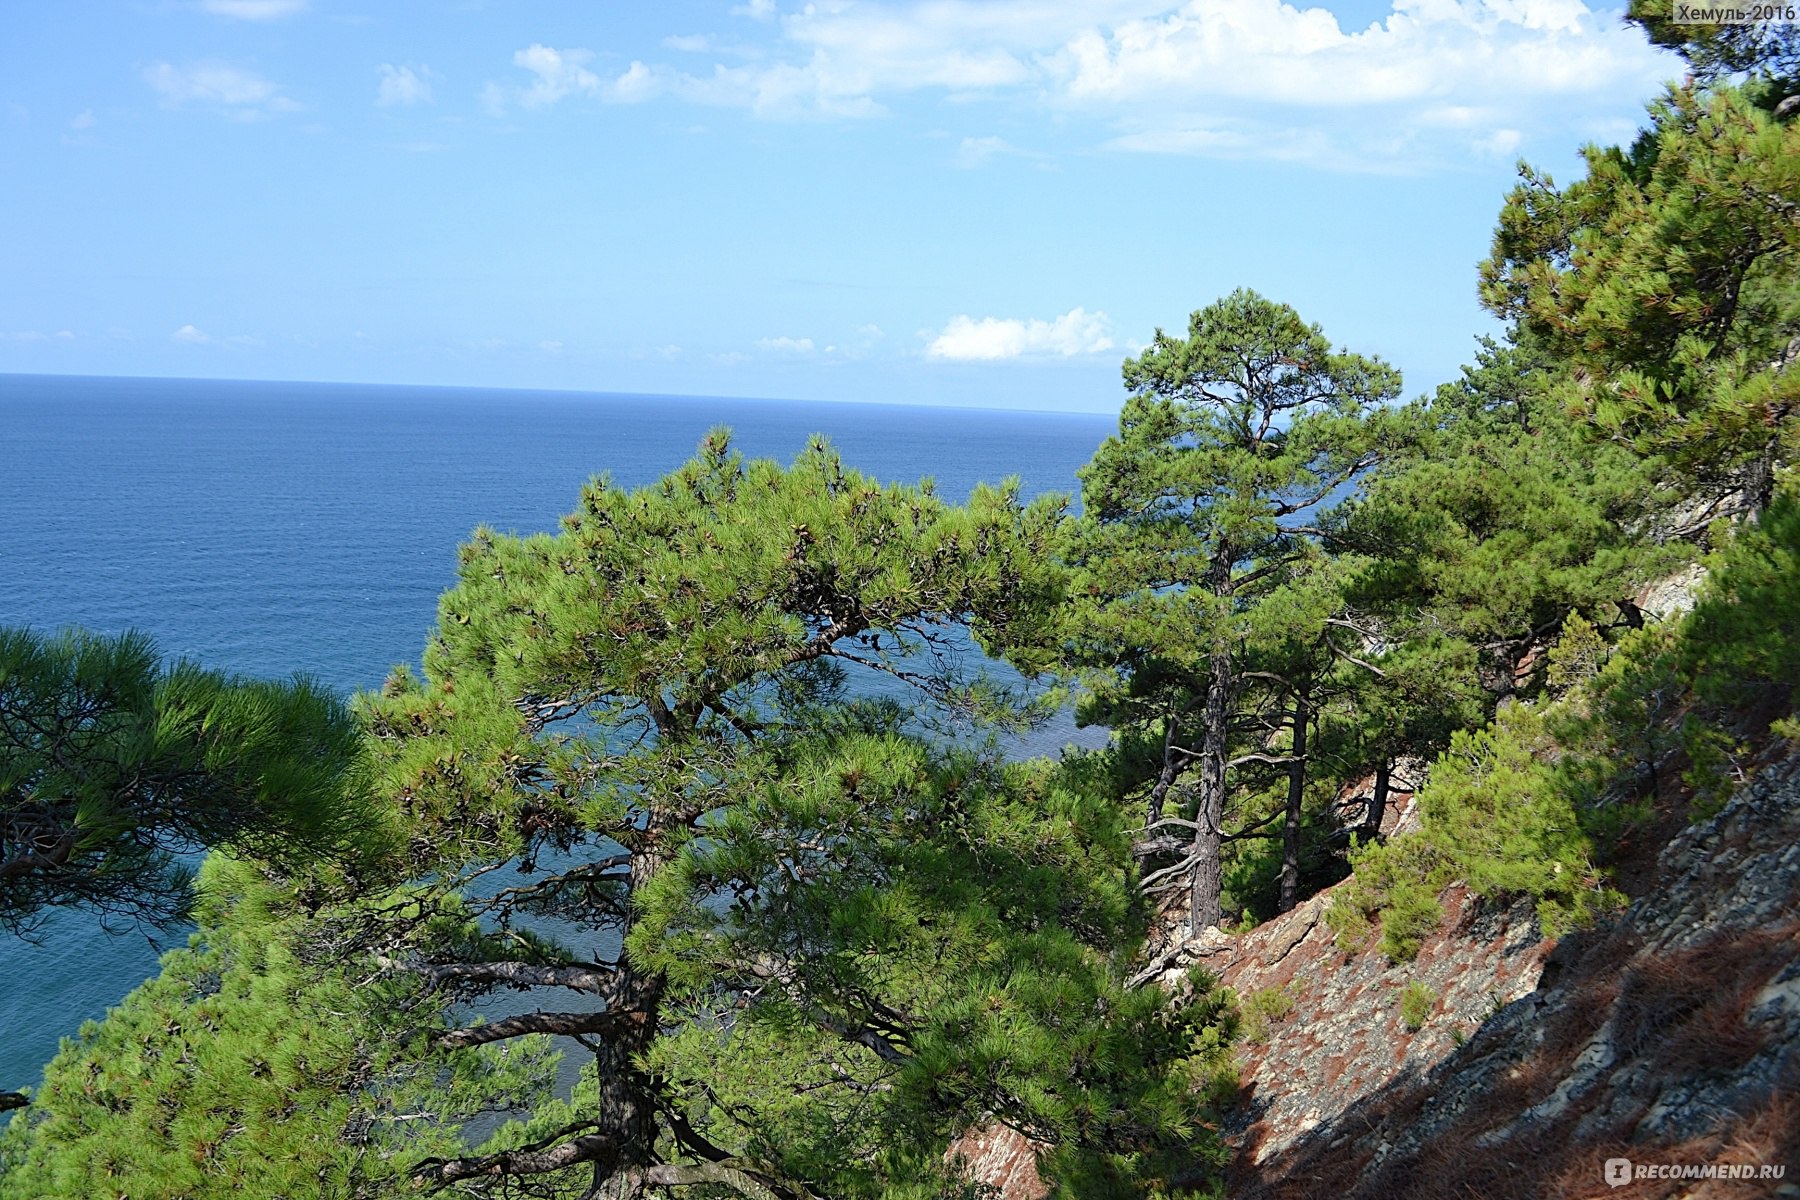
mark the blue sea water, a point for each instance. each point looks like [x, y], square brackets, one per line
[273, 528]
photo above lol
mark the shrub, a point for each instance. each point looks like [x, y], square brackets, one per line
[1416, 1003]
[1263, 1008]
[1399, 880]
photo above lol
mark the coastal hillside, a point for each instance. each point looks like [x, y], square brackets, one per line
[1436, 834]
[1670, 1035]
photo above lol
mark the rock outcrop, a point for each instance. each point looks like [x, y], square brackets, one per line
[1670, 1038]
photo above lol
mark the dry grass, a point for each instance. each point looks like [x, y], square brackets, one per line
[1668, 1013]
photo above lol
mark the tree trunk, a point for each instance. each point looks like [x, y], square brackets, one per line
[1165, 778]
[1378, 799]
[1203, 896]
[626, 1113]
[1290, 829]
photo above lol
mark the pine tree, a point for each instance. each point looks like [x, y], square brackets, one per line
[1475, 547]
[1204, 506]
[113, 767]
[250, 1067]
[1668, 278]
[828, 942]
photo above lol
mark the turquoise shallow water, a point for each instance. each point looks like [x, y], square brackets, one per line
[271, 528]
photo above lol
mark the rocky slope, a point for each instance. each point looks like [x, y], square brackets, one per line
[1670, 1038]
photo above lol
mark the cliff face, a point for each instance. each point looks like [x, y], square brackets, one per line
[1670, 1037]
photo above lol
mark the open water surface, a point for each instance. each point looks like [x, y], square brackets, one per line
[274, 528]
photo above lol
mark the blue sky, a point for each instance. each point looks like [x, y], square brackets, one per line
[952, 201]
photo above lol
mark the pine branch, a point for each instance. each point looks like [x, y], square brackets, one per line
[594, 978]
[744, 1176]
[568, 1024]
[537, 1158]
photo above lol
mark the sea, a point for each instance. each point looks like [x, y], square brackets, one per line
[280, 528]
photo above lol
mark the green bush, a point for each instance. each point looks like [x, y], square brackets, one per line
[1263, 1008]
[1399, 880]
[1416, 1003]
[1742, 643]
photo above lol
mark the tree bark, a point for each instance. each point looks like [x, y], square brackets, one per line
[1378, 799]
[627, 1108]
[1203, 895]
[1290, 830]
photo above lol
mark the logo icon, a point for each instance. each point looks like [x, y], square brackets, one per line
[1618, 1171]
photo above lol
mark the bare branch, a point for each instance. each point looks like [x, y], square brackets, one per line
[542, 1022]
[1148, 882]
[1273, 760]
[744, 1176]
[591, 978]
[1367, 666]
[538, 1158]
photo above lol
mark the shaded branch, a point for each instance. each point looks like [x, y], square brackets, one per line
[568, 1024]
[596, 979]
[537, 1158]
[744, 1176]
[1148, 883]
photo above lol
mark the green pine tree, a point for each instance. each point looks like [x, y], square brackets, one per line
[828, 942]
[1203, 507]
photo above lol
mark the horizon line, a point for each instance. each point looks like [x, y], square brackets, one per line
[552, 391]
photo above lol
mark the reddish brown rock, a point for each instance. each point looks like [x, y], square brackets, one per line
[1003, 1158]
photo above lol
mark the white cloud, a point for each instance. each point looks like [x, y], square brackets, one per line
[786, 345]
[1216, 77]
[550, 346]
[1268, 51]
[402, 86]
[254, 10]
[241, 93]
[82, 120]
[989, 339]
[192, 335]
[638, 83]
[1502, 143]
[559, 74]
[976, 151]
[760, 10]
